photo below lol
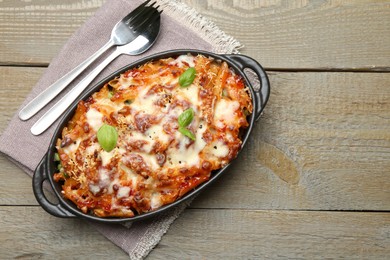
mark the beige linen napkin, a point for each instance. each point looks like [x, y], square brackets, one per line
[181, 27]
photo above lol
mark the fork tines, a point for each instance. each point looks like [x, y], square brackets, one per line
[152, 5]
[143, 12]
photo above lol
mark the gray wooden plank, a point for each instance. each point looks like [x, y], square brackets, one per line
[206, 233]
[15, 84]
[239, 234]
[30, 233]
[32, 32]
[322, 143]
[306, 34]
[280, 34]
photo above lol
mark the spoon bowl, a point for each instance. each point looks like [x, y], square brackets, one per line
[141, 44]
[125, 31]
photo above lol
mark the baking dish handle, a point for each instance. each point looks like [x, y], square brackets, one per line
[40, 175]
[261, 94]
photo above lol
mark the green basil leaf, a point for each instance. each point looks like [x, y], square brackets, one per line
[187, 77]
[187, 133]
[56, 157]
[107, 137]
[186, 117]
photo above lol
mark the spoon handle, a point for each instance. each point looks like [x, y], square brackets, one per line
[53, 90]
[58, 109]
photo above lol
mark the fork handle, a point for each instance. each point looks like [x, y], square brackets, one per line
[53, 90]
[57, 109]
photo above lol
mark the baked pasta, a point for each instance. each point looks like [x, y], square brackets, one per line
[152, 134]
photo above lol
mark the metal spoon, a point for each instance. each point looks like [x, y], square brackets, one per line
[125, 31]
[141, 44]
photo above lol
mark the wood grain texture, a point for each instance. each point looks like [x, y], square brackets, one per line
[16, 83]
[232, 234]
[16, 185]
[33, 32]
[306, 34]
[278, 33]
[323, 143]
[28, 233]
[313, 181]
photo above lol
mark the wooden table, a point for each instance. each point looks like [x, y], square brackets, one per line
[314, 181]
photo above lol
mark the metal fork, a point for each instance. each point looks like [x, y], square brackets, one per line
[142, 43]
[125, 31]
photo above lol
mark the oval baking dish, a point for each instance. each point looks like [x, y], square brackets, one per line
[47, 167]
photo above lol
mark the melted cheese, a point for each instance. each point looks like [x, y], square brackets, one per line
[150, 160]
[155, 201]
[72, 148]
[184, 61]
[146, 102]
[225, 112]
[187, 154]
[94, 119]
[156, 132]
[106, 156]
[130, 175]
[153, 163]
[125, 82]
[123, 192]
[220, 149]
[138, 136]
[190, 93]
[92, 148]
[104, 177]
[94, 188]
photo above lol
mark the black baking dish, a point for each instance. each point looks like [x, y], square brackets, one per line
[46, 167]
